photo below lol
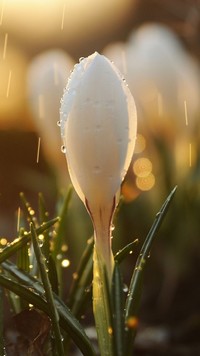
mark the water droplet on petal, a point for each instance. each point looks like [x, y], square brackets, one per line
[63, 149]
[59, 123]
[125, 288]
[81, 59]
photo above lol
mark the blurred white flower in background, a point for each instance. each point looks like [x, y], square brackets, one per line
[162, 76]
[165, 82]
[46, 79]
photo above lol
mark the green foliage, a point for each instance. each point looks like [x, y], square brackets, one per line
[34, 275]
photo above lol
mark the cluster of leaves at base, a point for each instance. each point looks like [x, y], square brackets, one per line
[32, 286]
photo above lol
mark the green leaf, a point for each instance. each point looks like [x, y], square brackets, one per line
[32, 290]
[48, 292]
[19, 242]
[43, 213]
[135, 288]
[52, 272]
[125, 251]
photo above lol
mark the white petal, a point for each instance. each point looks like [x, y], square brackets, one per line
[98, 123]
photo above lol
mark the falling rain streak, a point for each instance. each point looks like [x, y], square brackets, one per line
[38, 150]
[8, 86]
[2, 12]
[186, 112]
[63, 18]
[5, 46]
[18, 218]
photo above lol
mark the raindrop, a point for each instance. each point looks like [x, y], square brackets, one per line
[112, 227]
[81, 59]
[63, 149]
[59, 123]
[125, 288]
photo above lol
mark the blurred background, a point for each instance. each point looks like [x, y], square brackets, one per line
[155, 44]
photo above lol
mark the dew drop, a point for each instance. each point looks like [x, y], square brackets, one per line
[112, 227]
[63, 149]
[125, 288]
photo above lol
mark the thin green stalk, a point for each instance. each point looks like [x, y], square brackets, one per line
[49, 294]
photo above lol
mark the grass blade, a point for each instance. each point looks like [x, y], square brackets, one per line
[68, 322]
[125, 251]
[48, 291]
[134, 293]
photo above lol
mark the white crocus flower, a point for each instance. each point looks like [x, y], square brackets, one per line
[98, 127]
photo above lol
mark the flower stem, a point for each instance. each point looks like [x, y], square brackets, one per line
[101, 305]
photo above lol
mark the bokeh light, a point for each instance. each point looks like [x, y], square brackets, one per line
[145, 183]
[142, 167]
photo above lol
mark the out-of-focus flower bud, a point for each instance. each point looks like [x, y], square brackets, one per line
[47, 76]
[163, 78]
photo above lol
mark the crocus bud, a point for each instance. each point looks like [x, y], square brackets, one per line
[98, 127]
